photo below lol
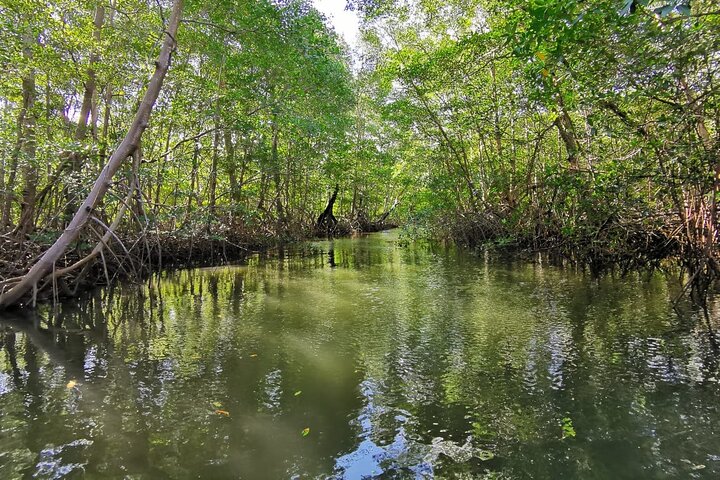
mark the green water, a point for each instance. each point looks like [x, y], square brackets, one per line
[364, 358]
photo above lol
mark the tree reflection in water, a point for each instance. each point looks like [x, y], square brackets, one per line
[361, 357]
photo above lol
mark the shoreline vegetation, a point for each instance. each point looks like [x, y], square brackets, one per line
[135, 257]
[139, 136]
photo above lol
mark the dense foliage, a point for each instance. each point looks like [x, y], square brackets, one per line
[558, 122]
[249, 130]
[592, 126]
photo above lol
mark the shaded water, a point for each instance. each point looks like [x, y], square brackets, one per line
[360, 358]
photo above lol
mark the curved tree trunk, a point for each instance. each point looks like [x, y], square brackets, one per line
[327, 222]
[126, 148]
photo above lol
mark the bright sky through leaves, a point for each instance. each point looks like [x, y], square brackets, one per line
[346, 23]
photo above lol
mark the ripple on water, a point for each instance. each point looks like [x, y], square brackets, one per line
[398, 362]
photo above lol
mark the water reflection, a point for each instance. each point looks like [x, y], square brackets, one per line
[359, 358]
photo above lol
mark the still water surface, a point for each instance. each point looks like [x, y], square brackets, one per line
[365, 358]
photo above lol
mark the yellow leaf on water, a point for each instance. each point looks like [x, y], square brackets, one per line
[305, 432]
[71, 384]
[223, 412]
[217, 404]
[298, 393]
[253, 355]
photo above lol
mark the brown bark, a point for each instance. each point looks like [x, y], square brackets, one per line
[276, 174]
[28, 146]
[9, 196]
[91, 83]
[86, 110]
[128, 145]
[566, 128]
[235, 185]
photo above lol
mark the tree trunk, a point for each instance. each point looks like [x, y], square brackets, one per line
[193, 180]
[128, 145]
[566, 128]
[161, 173]
[9, 197]
[276, 176]
[85, 110]
[28, 146]
[213, 177]
[327, 222]
[231, 167]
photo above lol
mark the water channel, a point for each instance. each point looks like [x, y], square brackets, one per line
[368, 357]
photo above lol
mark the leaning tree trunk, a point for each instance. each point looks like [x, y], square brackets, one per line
[126, 148]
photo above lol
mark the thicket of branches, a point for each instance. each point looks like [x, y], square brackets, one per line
[586, 126]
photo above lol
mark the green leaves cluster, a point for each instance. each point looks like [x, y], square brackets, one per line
[249, 128]
[550, 118]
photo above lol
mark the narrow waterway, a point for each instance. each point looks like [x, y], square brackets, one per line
[363, 358]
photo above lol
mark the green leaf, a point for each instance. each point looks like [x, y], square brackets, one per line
[305, 432]
[485, 455]
[568, 431]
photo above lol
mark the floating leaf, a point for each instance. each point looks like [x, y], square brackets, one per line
[223, 412]
[253, 355]
[217, 404]
[71, 384]
[485, 455]
[305, 432]
[298, 393]
[567, 428]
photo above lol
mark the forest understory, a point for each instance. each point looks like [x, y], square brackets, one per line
[615, 246]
